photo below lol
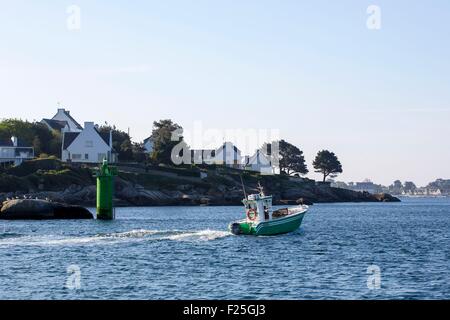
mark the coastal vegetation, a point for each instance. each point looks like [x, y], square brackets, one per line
[292, 161]
[127, 149]
[166, 135]
[327, 163]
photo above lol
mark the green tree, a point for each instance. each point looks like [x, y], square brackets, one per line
[34, 134]
[409, 187]
[139, 152]
[396, 187]
[327, 163]
[441, 184]
[121, 141]
[55, 145]
[166, 135]
[45, 139]
[37, 145]
[290, 158]
[126, 151]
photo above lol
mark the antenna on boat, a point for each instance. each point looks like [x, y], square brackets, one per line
[260, 188]
[243, 187]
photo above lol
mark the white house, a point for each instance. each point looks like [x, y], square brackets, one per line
[62, 121]
[87, 145]
[259, 162]
[15, 151]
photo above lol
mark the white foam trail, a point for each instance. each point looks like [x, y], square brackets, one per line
[48, 241]
[52, 240]
[112, 238]
[130, 234]
[203, 235]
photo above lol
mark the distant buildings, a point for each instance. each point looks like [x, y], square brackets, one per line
[14, 151]
[427, 192]
[364, 186]
[438, 188]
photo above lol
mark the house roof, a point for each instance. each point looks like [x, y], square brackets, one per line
[72, 119]
[6, 143]
[56, 124]
[104, 135]
[69, 137]
[9, 143]
[148, 139]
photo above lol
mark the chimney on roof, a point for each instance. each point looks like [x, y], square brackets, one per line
[14, 141]
[88, 125]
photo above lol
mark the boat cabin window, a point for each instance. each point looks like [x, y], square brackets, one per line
[266, 213]
[251, 205]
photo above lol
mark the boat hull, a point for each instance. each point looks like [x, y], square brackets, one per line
[268, 228]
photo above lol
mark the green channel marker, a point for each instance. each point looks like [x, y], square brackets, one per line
[105, 191]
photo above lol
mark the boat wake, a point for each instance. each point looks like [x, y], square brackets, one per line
[204, 235]
[137, 235]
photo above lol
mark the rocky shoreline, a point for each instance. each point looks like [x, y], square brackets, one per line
[61, 183]
[128, 194]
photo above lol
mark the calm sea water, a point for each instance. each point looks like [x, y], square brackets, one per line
[187, 253]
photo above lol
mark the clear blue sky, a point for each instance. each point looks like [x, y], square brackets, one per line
[379, 99]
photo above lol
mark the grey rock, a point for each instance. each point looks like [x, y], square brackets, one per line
[29, 209]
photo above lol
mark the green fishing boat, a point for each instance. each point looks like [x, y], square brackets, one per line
[261, 220]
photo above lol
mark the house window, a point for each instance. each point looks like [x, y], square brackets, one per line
[101, 157]
[76, 156]
[86, 156]
[89, 144]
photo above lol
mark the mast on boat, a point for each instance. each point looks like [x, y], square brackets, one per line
[260, 204]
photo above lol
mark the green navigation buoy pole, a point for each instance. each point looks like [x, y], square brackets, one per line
[105, 191]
